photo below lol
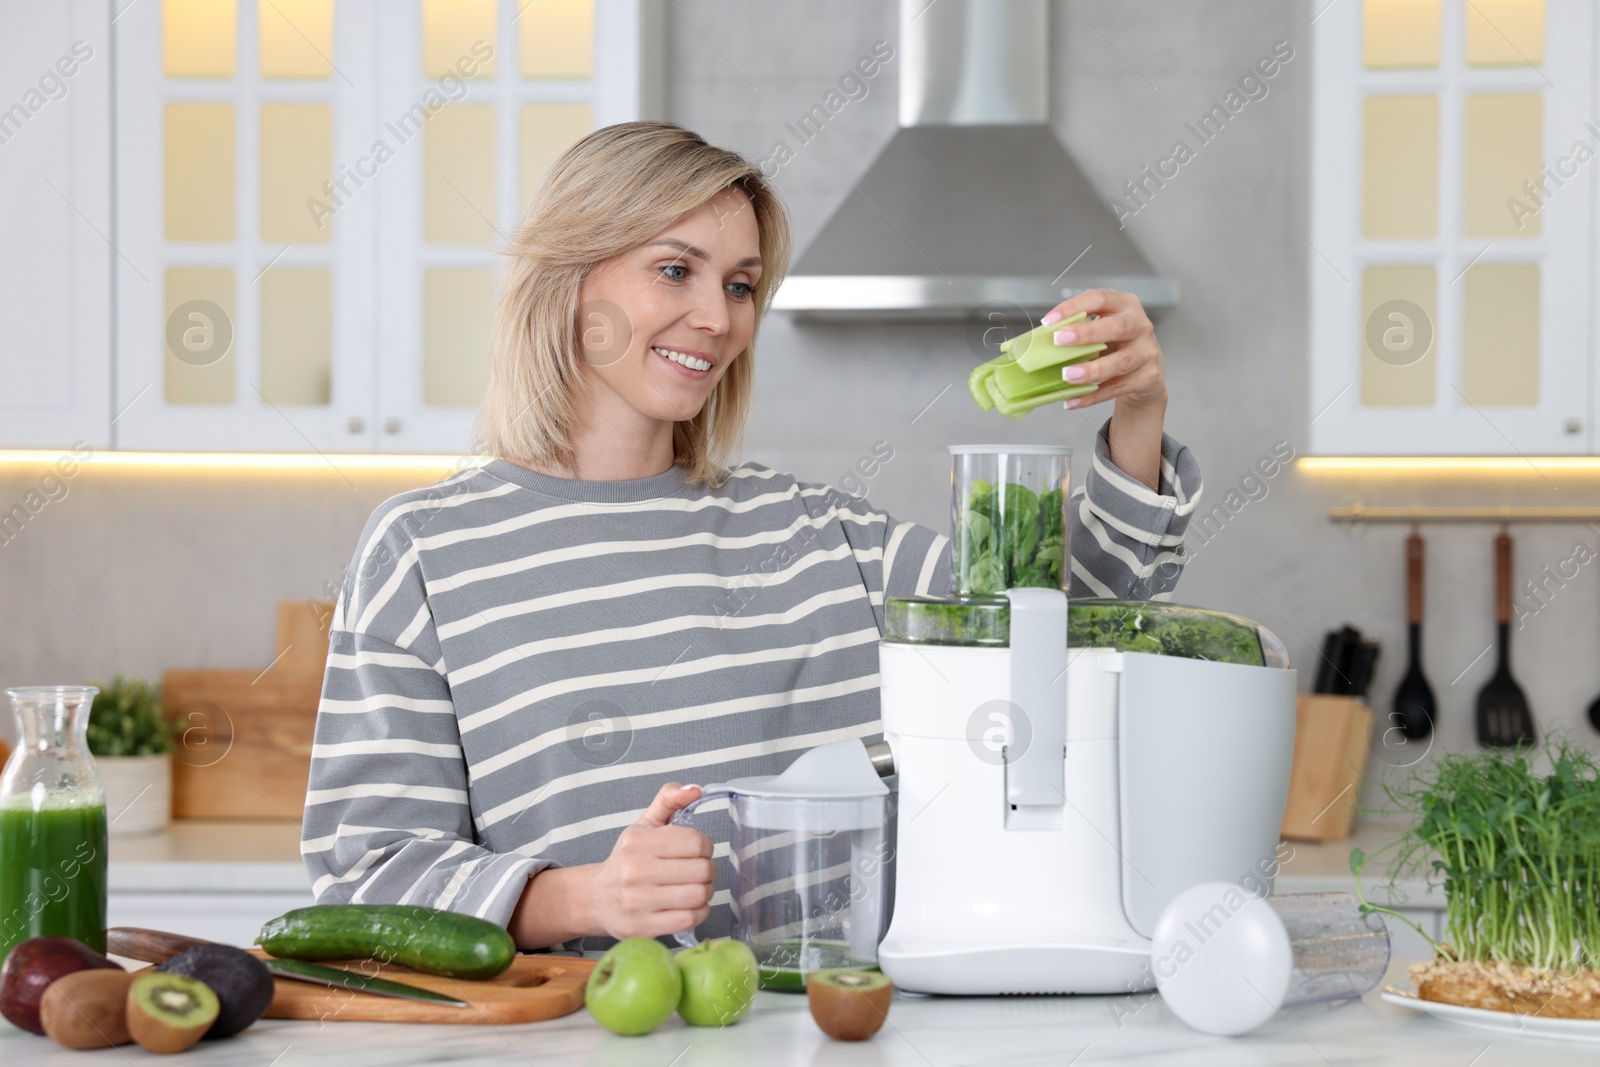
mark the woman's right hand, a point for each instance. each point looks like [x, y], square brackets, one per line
[659, 877]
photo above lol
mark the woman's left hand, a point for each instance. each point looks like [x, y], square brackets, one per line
[1130, 370]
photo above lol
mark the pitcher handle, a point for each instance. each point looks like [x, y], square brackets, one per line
[685, 817]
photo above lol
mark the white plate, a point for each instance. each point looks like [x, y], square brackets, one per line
[1504, 1022]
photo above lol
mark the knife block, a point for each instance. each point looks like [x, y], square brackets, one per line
[1330, 754]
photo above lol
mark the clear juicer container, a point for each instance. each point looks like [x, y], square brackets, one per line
[1008, 518]
[810, 860]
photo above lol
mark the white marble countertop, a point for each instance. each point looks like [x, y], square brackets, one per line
[211, 855]
[921, 1032]
[1325, 868]
[264, 856]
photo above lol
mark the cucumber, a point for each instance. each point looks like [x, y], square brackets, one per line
[424, 939]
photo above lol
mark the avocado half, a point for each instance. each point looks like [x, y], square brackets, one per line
[242, 983]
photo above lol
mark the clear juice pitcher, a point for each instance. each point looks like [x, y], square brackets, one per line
[808, 852]
[52, 823]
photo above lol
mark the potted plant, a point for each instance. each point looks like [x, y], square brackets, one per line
[1518, 854]
[131, 739]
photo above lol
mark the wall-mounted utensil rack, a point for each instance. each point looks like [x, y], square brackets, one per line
[1359, 513]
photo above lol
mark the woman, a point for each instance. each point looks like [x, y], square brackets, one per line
[523, 653]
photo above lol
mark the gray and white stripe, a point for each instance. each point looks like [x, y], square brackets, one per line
[517, 662]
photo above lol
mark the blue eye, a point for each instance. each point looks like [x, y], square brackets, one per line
[746, 291]
[676, 266]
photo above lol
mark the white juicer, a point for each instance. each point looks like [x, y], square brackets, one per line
[1053, 801]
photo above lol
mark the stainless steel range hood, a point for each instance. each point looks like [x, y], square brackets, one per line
[974, 204]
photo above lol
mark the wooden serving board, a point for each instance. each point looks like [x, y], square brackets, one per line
[532, 989]
[244, 747]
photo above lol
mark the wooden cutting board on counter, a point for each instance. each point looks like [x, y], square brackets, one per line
[244, 743]
[532, 989]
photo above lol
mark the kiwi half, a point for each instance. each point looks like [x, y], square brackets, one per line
[87, 1009]
[242, 983]
[169, 1012]
[849, 1005]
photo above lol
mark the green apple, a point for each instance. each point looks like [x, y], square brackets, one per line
[719, 982]
[635, 987]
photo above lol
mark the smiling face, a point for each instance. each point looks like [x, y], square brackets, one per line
[660, 324]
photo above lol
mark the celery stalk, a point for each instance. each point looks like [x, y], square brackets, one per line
[996, 398]
[1036, 349]
[976, 384]
[1039, 335]
[1019, 408]
[1039, 357]
[1015, 383]
[1009, 408]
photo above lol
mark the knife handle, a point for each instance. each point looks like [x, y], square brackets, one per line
[1502, 578]
[1414, 579]
[150, 946]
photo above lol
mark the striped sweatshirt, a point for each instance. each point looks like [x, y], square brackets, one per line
[517, 662]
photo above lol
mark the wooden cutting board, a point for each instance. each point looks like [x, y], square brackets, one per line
[244, 746]
[244, 743]
[303, 636]
[532, 989]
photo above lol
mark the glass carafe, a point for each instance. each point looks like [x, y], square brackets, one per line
[52, 822]
[809, 860]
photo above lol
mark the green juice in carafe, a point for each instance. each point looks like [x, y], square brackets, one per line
[52, 873]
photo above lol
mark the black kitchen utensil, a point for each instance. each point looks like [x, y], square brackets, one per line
[1503, 715]
[1594, 713]
[1328, 670]
[1363, 662]
[1414, 705]
[1339, 654]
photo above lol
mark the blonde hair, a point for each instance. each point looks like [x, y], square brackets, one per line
[611, 192]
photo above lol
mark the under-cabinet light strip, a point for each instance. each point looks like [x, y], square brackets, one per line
[1441, 464]
[286, 461]
[1359, 513]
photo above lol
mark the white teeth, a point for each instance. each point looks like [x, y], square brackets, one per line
[688, 361]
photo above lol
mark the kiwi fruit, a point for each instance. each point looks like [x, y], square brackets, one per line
[242, 983]
[849, 1005]
[169, 1012]
[87, 1009]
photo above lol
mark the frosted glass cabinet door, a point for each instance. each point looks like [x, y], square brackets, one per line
[505, 88]
[1451, 264]
[55, 292]
[312, 196]
[245, 279]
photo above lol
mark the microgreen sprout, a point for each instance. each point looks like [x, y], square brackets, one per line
[1518, 855]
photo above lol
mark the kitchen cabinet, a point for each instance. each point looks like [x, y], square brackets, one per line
[308, 202]
[1450, 252]
[55, 177]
